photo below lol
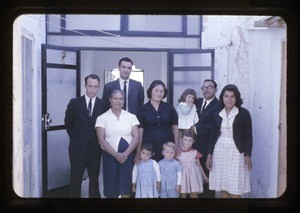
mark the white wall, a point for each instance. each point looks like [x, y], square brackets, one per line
[266, 86]
[251, 58]
[32, 28]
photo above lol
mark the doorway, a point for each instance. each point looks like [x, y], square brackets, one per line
[64, 70]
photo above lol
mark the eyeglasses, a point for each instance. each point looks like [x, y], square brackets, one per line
[209, 87]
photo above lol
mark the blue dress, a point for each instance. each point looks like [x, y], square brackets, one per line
[157, 125]
[146, 175]
[116, 175]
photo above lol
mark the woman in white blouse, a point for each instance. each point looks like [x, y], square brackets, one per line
[117, 132]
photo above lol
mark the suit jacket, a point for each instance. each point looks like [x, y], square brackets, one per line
[242, 131]
[203, 126]
[80, 127]
[135, 94]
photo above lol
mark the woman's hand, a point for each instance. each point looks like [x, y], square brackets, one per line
[248, 162]
[133, 187]
[121, 157]
[208, 163]
[205, 178]
[178, 188]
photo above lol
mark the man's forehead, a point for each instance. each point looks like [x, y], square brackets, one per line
[208, 83]
[126, 63]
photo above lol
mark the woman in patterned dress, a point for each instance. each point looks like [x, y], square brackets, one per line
[230, 146]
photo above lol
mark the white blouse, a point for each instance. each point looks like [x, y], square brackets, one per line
[115, 127]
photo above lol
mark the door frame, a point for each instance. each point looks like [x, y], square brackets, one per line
[172, 68]
[45, 66]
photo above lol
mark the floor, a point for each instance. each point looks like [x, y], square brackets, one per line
[85, 185]
[85, 188]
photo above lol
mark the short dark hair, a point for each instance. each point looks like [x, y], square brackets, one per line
[215, 84]
[154, 84]
[148, 147]
[125, 59]
[93, 76]
[188, 133]
[187, 92]
[235, 90]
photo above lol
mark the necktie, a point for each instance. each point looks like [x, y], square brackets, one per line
[203, 107]
[125, 92]
[90, 108]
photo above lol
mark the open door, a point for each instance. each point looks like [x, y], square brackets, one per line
[60, 83]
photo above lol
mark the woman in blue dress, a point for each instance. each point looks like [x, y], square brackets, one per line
[158, 120]
[117, 132]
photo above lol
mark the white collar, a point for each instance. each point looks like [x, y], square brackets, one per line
[207, 101]
[122, 81]
[87, 99]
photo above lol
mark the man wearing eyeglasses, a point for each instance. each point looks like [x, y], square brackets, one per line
[206, 107]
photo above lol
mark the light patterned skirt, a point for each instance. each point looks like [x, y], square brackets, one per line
[229, 172]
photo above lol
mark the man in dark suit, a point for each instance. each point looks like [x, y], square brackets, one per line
[84, 149]
[206, 107]
[134, 91]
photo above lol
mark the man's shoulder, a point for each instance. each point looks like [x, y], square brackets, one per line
[199, 99]
[215, 102]
[99, 100]
[161, 161]
[111, 83]
[77, 99]
[135, 82]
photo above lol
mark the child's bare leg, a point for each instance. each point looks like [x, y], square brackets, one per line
[194, 195]
[235, 196]
[183, 195]
[225, 194]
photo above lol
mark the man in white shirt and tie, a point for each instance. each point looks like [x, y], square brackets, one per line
[133, 90]
[84, 149]
[206, 107]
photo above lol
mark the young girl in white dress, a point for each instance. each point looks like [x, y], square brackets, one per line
[186, 109]
[192, 171]
[146, 175]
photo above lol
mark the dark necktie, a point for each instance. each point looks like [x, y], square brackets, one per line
[90, 108]
[203, 107]
[125, 92]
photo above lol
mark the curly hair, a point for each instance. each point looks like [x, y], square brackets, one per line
[235, 90]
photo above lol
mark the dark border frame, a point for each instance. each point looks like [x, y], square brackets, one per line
[285, 8]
